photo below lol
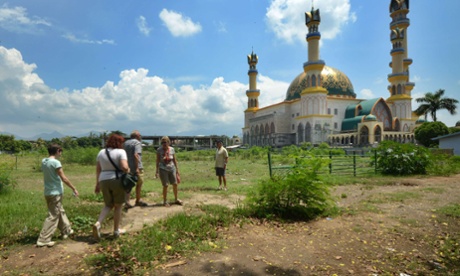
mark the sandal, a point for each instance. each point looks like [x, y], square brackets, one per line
[166, 204]
[141, 203]
[127, 206]
[179, 202]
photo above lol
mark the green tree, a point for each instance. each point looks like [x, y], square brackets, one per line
[454, 129]
[9, 144]
[431, 103]
[429, 130]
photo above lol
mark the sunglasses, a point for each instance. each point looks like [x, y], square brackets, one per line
[164, 143]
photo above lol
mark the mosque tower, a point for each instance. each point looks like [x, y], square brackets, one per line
[314, 96]
[252, 93]
[400, 100]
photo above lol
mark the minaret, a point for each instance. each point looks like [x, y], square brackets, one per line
[400, 87]
[252, 93]
[314, 96]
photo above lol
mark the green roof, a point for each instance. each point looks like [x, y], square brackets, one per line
[367, 105]
[351, 121]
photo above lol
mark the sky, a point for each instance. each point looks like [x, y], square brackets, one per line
[179, 67]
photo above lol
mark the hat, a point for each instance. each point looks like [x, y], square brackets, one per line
[219, 141]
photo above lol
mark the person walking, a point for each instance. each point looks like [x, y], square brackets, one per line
[133, 148]
[108, 181]
[53, 175]
[167, 169]
[221, 164]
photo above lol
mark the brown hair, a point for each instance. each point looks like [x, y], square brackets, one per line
[115, 141]
[53, 149]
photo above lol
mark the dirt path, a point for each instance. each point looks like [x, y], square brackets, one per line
[379, 233]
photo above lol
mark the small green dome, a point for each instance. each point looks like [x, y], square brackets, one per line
[420, 121]
[370, 117]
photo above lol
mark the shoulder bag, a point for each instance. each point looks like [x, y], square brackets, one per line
[127, 180]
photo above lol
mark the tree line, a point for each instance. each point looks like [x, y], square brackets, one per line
[9, 144]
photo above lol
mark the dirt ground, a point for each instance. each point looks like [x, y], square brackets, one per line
[374, 237]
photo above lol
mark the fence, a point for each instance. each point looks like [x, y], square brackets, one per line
[353, 163]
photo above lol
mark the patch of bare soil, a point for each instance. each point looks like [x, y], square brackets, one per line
[387, 230]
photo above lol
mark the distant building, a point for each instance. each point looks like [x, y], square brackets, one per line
[450, 141]
[236, 140]
[321, 105]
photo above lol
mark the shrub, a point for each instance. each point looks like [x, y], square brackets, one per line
[402, 159]
[5, 178]
[429, 130]
[300, 195]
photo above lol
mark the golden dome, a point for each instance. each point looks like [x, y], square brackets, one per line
[335, 81]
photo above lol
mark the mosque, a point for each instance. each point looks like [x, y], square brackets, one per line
[321, 105]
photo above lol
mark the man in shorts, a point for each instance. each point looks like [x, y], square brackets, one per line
[133, 148]
[221, 164]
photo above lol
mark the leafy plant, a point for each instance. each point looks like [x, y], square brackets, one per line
[402, 159]
[300, 195]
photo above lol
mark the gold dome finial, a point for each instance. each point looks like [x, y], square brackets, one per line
[252, 60]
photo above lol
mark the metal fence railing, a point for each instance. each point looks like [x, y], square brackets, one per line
[355, 163]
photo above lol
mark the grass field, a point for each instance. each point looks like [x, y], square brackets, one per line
[23, 207]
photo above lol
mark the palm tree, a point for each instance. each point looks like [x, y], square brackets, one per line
[431, 103]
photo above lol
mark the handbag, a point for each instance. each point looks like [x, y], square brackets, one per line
[127, 180]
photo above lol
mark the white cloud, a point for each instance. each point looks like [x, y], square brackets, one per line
[73, 38]
[16, 20]
[142, 25]
[136, 101]
[179, 25]
[366, 94]
[271, 91]
[288, 24]
[221, 27]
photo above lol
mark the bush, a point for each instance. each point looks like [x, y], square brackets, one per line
[82, 156]
[429, 130]
[300, 195]
[5, 178]
[402, 159]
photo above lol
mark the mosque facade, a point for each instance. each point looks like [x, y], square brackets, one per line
[321, 105]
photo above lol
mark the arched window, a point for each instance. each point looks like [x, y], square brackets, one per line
[300, 136]
[308, 132]
[378, 134]
[364, 136]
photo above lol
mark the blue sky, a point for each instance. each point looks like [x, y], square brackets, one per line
[180, 67]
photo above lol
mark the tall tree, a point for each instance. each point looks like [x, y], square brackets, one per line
[431, 103]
